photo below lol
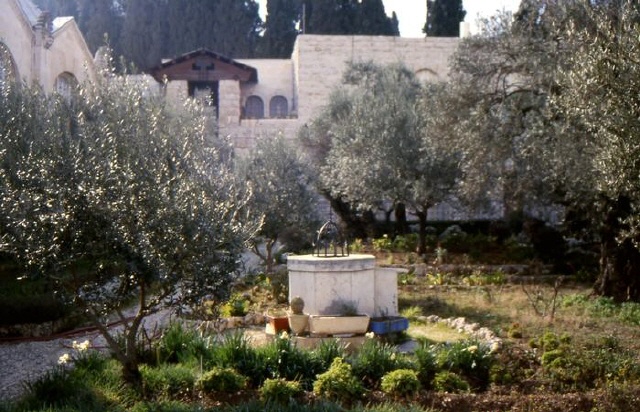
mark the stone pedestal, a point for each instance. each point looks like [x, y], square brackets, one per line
[328, 283]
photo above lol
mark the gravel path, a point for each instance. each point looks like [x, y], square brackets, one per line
[26, 361]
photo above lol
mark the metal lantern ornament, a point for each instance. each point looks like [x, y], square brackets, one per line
[331, 242]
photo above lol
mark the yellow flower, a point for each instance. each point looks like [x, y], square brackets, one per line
[472, 349]
[370, 335]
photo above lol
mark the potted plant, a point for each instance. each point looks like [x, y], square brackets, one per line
[277, 320]
[298, 321]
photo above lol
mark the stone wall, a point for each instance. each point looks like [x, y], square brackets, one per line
[315, 69]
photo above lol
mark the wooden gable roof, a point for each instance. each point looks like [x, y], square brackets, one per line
[204, 65]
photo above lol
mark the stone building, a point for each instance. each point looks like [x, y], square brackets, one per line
[251, 98]
[38, 50]
[258, 98]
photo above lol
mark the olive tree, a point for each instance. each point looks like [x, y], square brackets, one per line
[120, 200]
[380, 146]
[549, 116]
[601, 106]
[283, 198]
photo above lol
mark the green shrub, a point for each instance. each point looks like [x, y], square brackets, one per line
[178, 344]
[427, 364]
[282, 359]
[412, 313]
[164, 406]
[59, 388]
[280, 390]
[484, 279]
[168, 381]
[382, 244]
[338, 383]
[469, 358]
[447, 381]
[400, 382]
[237, 305]
[405, 243]
[630, 313]
[235, 351]
[374, 359]
[326, 352]
[221, 380]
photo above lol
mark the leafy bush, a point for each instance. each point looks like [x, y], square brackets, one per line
[282, 359]
[405, 243]
[168, 381]
[59, 388]
[469, 358]
[400, 382]
[237, 305]
[484, 279]
[326, 352]
[374, 359]
[630, 313]
[447, 381]
[280, 390]
[235, 351]
[412, 313]
[427, 364]
[338, 383]
[382, 244]
[178, 344]
[164, 406]
[221, 380]
[599, 363]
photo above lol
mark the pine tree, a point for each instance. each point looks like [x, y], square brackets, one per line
[443, 18]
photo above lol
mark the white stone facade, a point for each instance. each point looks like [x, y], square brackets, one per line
[38, 50]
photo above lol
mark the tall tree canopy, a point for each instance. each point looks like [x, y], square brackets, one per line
[548, 115]
[283, 198]
[444, 18]
[600, 100]
[280, 29]
[145, 31]
[378, 146]
[348, 17]
[117, 198]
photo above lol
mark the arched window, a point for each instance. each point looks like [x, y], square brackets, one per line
[65, 85]
[278, 107]
[254, 108]
[8, 72]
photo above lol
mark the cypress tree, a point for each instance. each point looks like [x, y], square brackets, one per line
[280, 28]
[443, 18]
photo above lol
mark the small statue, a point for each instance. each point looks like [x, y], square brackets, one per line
[296, 305]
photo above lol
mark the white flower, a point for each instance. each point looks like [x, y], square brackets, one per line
[64, 359]
[370, 335]
[81, 347]
[284, 335]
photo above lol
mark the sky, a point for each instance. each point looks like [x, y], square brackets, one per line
[412, 13]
